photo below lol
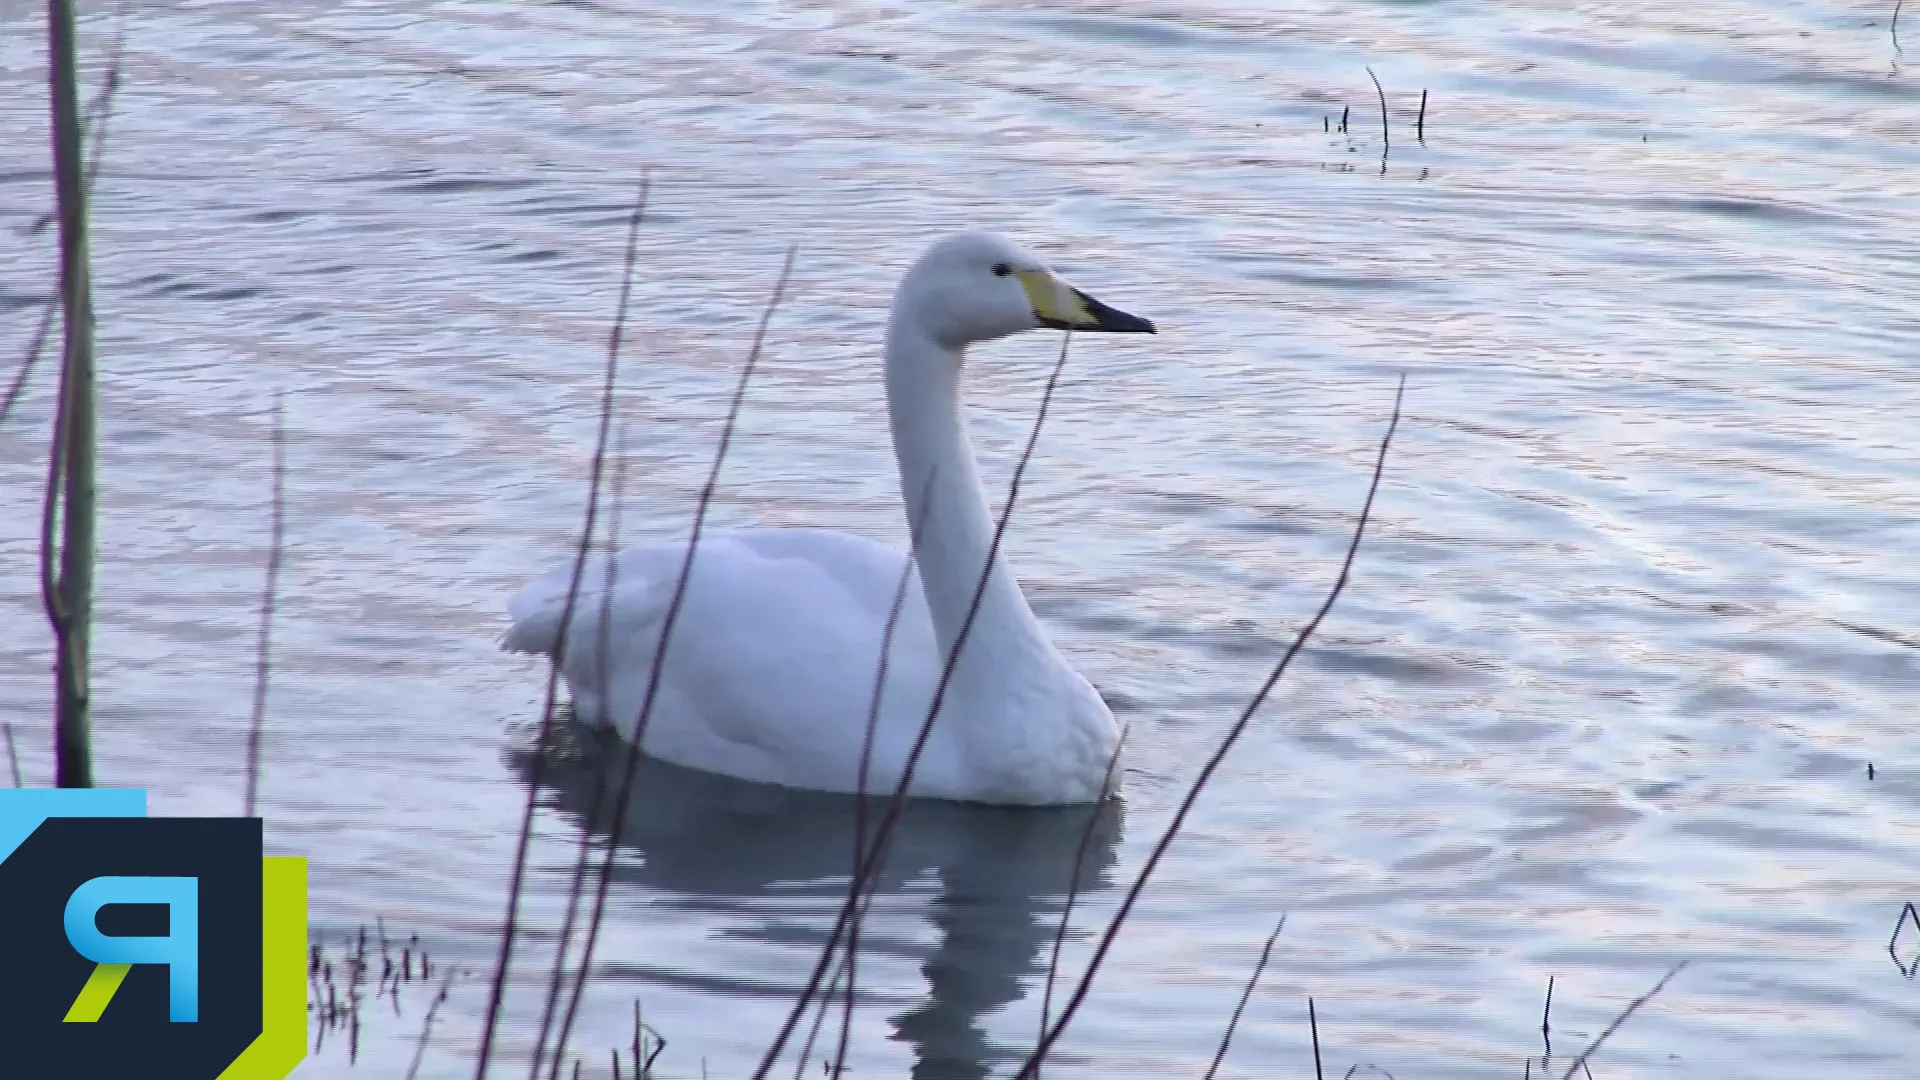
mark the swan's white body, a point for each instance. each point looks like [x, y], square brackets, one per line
[773, 659]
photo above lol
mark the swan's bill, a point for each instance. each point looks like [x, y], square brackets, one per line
[1059, 306]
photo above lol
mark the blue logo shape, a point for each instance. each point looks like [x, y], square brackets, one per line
[179, 950]
[23, 809]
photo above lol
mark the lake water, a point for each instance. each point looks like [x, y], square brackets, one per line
[1637, 611]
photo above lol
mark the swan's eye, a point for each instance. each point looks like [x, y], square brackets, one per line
[1001, 269]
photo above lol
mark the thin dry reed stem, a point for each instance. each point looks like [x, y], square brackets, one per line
[847, 964]
[50, 524]
[610, 377]
[866, 760]
[1386, 137]
[97, 115]
[625, 799]
[640, 1033]
[1313, 1027]
[36, 346]
[819, 1019]
[1073, 882]
[1213, 764]
[1226, 1037]
[897, 805]
[426, 1025]
[70, 460]
[263, 645]
[1546, 1027]
[583, 858]
[1632, 1007]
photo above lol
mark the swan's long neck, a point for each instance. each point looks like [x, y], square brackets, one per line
[946, 505]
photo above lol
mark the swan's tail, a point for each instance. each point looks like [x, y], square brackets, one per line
[536, 610]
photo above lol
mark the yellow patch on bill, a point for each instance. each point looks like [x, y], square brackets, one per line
[1054, 299]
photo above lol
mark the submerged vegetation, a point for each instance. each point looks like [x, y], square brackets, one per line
[349, 979]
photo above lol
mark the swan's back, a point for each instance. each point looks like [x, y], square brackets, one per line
[641, 580]
[770, 670]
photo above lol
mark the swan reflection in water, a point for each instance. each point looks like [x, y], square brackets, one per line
[709, 842]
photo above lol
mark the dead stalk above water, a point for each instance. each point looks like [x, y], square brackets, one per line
[1313, 1027]
[1207, 771]
[426, 1025]
[625, 798]
[584, 848]
[1386, 136]
[263, 647]
[1226, 1037]
[35, 346]
[1632, 1007]
[897, 804]
[68, 593]
[583, 858]
[1073, 882]
[840, 976]
[96, 123]
[615, 337]
[856, 875]
[1546, 1027]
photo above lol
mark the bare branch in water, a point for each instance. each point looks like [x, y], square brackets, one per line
[819, 1018]
[583, 858]
[1386, 137]
[263, 647]
[852, 961]
[1073, 883]
[848, 966]
[1213, 764]
[1313, 1026]
[50, 525]
[1546, 1027]
[35, 347]
[13, 757]
[97, 116]
[1226, 1037]
[71, 488]
[1632, 1007]
[625, 799]
[897, 805]
[426, 1024]
[640, 1033]
[609, 378]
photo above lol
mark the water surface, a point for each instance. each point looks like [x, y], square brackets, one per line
[1636, 612]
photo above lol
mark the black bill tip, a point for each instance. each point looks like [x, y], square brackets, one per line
[1112, 320]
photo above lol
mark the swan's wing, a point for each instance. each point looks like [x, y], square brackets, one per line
[538, 608]
[868, 572]
[773, 656]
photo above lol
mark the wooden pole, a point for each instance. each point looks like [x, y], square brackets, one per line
[74, 456]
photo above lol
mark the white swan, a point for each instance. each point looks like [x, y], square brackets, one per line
[771, 665]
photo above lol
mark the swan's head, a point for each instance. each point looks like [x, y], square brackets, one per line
[980, 286]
